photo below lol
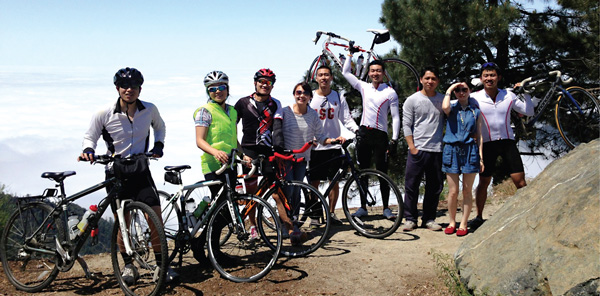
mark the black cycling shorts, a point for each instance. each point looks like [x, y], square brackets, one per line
[140, 188]
[507, 149]
[320, 168]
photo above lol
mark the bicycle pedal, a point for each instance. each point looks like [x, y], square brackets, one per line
[156, 274]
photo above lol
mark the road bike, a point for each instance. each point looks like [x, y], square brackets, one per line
[369, 187]
[400, 74]
[231, 250]
[41, 237]
[295, 202]
[576, 112]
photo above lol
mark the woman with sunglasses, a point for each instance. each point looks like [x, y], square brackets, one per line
[462, 152]
[216, 135]
[300, 125]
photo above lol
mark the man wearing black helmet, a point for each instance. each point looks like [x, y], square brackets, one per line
[125, 128]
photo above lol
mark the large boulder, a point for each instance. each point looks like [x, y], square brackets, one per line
[545, 240]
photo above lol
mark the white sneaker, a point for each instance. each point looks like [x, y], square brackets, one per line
[360, 213]
[130, 274]
[335, 220]
[253, 233]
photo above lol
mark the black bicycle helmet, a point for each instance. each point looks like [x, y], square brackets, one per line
[264, 73]
[128, 76]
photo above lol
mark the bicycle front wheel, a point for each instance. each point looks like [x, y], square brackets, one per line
[402, 76]
[304, 202]
[578, 120]
[233, 253]
[143, 272]
[27, 269]
[372, 190]
[172, 219]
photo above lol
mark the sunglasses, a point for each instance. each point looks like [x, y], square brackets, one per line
[217, 88]
[299, 93]
[265, 81]
[461, 89]
[129, 85]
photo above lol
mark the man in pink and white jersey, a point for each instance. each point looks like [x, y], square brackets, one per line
[498, 137]
[378, 98]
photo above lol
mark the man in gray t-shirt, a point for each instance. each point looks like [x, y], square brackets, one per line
[422, 124]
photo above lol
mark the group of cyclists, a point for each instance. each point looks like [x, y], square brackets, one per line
[477, 131]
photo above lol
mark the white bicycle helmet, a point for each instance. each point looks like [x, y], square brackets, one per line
[214, 77]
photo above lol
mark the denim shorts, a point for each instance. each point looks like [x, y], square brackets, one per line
[460, 158]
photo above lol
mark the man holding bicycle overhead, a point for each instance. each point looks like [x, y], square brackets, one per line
[261, 117]
[125, 128]
[332, 109]
[423, 125]
[498, 138]
[378, 99]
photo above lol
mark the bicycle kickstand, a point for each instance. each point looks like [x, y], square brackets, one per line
[84, 266]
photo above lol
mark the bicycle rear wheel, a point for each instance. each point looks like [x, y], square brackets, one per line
[26, 269]
[578, 121]
[232, 252]
[147, 239]
[402, 76]
[309, 203]
[375, 186]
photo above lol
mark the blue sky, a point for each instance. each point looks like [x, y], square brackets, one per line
[57, 60]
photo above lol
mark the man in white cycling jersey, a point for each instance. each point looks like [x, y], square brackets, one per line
[332, 109]
[125, 128]
[378, 98]
[423, 124]
[498, 137]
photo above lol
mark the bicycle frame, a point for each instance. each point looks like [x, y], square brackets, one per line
[347, 163]
[555, 87]
[329, 53]
[61, 209]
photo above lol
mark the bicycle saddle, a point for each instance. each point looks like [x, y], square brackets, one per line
[177, 168]
[58, 176]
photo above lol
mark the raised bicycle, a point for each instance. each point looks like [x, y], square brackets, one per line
[295, 202]
[370, 187]
[41, 237]
[400, 74]
[231, 250]
[576, 112]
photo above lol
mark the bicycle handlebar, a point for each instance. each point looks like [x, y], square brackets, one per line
[330, 34]
[290, 153]
[106, 159]
[527, 82]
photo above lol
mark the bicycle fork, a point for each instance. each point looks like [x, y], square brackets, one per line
[124, 230]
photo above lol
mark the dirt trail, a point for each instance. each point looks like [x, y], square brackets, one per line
[348, 264]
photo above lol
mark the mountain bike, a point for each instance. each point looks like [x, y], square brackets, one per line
[295, 202]
[369, 187]
[41, 238]
[400, 74]
[231, 251]
[576, 112]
